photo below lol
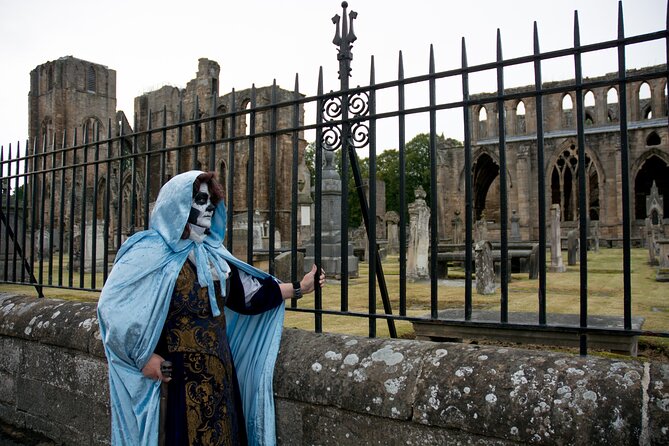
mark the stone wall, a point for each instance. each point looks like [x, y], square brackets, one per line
[336, 389]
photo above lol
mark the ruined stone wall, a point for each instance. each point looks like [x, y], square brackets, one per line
[339, 390]
[647, 138]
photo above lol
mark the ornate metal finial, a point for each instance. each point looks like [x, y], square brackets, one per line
[344, 40]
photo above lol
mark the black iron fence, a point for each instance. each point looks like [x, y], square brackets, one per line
[70, 198]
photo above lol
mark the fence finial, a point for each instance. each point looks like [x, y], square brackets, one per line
[344, 40]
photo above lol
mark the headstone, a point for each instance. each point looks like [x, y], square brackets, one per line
[663, 260]
[419, 238]
[99, 245]
[594, 232]
[282, 266]
[456, 223]
[556, 243]
[572, 247]
[392, 228]
[331, 252]
[534, 262]
[515, 226]
[654, 224]
[485, 272]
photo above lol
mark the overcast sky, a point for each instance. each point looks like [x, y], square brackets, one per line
[151, 43]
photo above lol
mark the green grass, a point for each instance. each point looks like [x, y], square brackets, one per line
[650, 299]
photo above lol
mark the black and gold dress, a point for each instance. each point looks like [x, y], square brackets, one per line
[204, 403]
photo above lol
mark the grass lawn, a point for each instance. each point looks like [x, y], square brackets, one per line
[650, 299]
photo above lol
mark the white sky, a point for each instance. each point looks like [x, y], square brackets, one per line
[151, 43]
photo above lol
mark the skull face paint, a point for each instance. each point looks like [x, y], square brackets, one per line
[202, 210]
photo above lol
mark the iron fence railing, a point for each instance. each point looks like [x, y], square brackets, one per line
[69, 203]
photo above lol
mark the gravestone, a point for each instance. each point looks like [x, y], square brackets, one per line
[572, 247]
[485, 271]
[515, 226]
[556, 244]
[419, 237]
[663, 260]
[456, 223]
[392, 228]
[534, 262]
[594, 232]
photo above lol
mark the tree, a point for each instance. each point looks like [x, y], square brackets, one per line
[417, 173]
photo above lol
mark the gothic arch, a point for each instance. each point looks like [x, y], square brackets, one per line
[485, 181]
[652, 165]
[562, 181]
[93, 129]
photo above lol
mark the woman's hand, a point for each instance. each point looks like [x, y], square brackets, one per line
[307, 284]
[152, 368]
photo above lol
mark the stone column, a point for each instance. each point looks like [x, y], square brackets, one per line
[419, 238]
[556, 248]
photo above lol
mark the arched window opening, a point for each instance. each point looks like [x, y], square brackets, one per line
[589, 104]
[653, 139]
[567, 111]
[644, 101]
[612, 105]
[91, 81]
[612, 96]
[520, 118]
[483, 122]
[486, 188]
[589, 99]
[247, 119]
[567, 103]
[564, 185]
[655, 170]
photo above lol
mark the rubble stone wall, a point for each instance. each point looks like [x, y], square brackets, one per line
[334, 389]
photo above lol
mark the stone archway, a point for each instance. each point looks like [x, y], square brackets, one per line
[656, 169]
[486, 187]
[564, 184]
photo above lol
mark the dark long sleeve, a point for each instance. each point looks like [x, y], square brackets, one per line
[268, 296]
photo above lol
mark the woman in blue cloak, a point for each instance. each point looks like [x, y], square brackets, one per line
[163, 300]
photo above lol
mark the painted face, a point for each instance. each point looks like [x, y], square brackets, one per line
[202, 210]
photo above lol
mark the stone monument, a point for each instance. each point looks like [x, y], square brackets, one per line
[515, 227]
[392, 228]
[556, 243]
[419, 237]
[572, 247]
[485, 271]
[331, 226]
[456, 223]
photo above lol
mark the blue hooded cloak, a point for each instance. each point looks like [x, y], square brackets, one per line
[134, 304]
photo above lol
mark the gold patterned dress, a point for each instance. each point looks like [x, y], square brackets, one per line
[204, 403]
